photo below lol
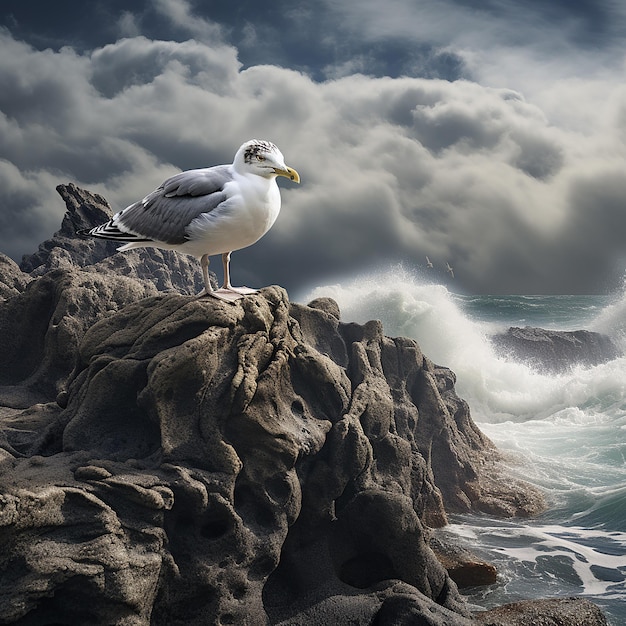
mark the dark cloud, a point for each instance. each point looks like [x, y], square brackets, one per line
[292, 34]
[587, 22]
[25, 212]
[82, 25]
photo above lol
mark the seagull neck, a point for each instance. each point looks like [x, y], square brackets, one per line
[256, 180]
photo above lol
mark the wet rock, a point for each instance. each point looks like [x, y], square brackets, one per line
[555, 350]
[465, 568]
[566, 611]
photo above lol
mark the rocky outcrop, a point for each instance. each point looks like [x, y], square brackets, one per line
[172, 460]
[41, 326]
[554, 350]
[254, 454]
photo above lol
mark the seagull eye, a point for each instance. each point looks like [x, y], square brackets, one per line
[260, 157]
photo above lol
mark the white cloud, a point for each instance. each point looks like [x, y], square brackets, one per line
[140, 61]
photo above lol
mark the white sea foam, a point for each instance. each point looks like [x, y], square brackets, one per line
[611, 320]
[567, 560]
[498, 390]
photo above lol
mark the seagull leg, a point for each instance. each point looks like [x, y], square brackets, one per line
[204, 264]
[227, 287]
[226, 265]
[208, 290]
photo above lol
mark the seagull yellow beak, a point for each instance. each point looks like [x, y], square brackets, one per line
[289, 173]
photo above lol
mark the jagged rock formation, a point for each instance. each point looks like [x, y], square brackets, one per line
[555, 350]
[222, 453]
[171, 460]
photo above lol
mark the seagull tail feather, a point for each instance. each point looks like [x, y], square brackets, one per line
[112, 232]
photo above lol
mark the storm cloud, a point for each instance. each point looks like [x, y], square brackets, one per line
[521, 191]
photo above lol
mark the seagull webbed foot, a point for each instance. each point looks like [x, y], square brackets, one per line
[228, 294]
[220, 294]
[243, 291]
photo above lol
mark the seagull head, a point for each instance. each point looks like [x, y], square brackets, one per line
[263, 158]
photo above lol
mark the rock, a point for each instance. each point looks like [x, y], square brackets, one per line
[172, 460]
[81, 280]
[465, 568]
[328, 305]
[562, 611]
[12, 279]
[84, 210]
[40, 329]
[553, 350]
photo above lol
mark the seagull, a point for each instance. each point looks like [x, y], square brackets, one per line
[429, 265]
[207, 211]
[449, 270]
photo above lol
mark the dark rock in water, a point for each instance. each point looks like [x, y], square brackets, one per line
[553, 612]
[555, 350]
[464, 567]
[171, 460]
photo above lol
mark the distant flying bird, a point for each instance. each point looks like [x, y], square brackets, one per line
[213, 210]
[429, 265]
[449, 270]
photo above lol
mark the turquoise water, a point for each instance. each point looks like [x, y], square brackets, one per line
[552, 312]
[566, 433]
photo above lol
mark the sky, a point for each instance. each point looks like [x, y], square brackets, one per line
[490, 134]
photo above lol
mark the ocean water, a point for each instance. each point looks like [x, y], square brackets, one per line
[564, 433]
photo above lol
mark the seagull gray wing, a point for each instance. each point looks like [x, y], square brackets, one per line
[164, 214]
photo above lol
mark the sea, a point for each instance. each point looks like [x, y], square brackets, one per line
[565, 433]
